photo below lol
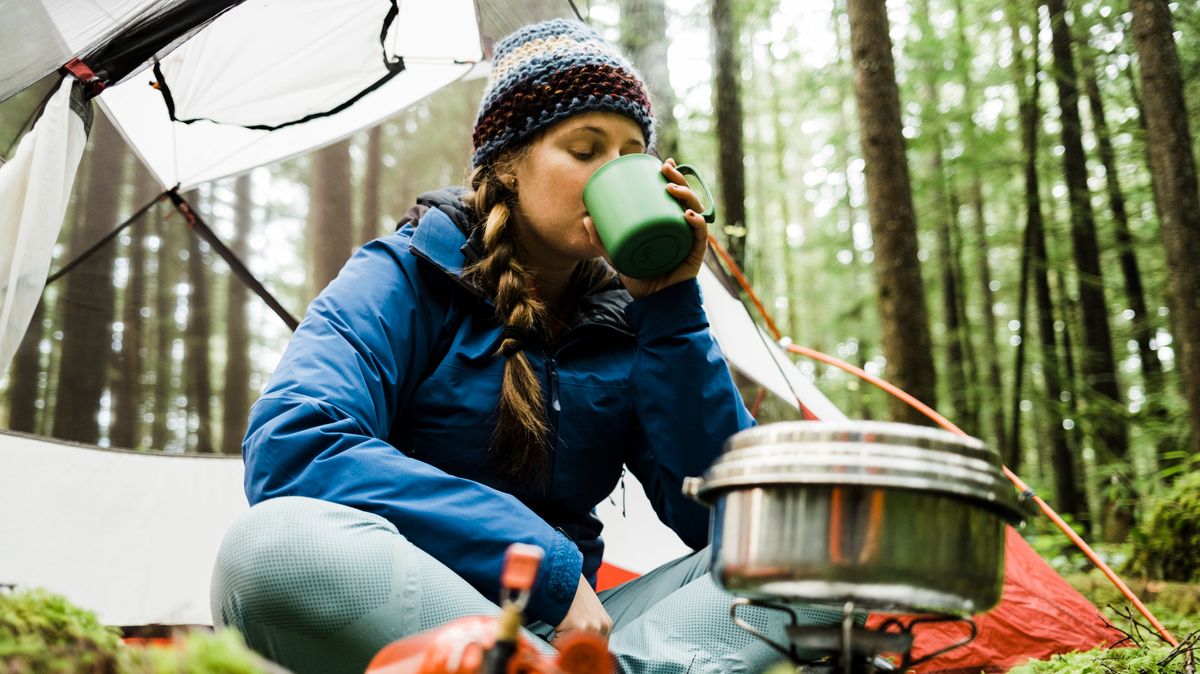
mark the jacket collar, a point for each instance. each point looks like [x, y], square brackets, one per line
[444, 236]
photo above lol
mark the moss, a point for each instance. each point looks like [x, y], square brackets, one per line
[1165, 543]
[1105, 661]
[43, 632]
[223, 652]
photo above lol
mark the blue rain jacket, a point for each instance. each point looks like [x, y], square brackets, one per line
[384, 401]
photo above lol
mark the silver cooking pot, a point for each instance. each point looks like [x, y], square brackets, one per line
[890, 516]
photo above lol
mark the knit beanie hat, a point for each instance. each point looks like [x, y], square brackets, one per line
[545, 72]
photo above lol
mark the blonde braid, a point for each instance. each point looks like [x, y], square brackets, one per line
[520, 436]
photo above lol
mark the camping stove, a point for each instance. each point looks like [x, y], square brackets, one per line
[849, 648]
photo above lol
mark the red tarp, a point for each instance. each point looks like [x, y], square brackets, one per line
[1039, 615]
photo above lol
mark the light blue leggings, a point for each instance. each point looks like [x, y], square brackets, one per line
[320, 587]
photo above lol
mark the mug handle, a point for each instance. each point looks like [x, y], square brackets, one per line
[711, 214]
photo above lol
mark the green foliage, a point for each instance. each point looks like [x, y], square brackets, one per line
[43, 632]
[1176, 605]
[222, 652]
[1153, 660]
[1165, 544]
[1063, 555]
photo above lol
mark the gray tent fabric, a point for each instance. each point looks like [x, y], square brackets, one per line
[37, 37]
[129, 535]
[35, 187]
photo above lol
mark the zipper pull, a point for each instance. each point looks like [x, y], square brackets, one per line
[553, 365]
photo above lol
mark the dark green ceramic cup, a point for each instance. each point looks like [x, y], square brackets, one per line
[640, 224]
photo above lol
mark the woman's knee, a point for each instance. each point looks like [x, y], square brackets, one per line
[304, 565]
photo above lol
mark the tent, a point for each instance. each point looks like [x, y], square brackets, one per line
[202, 90]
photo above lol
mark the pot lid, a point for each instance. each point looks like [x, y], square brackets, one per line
[860, 453]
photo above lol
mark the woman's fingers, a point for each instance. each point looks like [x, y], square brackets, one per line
[699, 232]
[678, 186]
[684, 195]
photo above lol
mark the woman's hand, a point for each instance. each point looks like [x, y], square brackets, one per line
[690, 267]
[586, 614]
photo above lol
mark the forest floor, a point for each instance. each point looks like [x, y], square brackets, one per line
[1176, 605]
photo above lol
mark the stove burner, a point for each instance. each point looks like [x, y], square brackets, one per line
[849, 648]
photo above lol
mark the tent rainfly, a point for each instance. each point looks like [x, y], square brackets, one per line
[204, 89]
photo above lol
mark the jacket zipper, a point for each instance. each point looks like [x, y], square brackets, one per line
[555, 408]
[552, 371]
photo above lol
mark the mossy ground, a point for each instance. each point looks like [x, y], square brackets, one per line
[43, 633]
[1176, 605]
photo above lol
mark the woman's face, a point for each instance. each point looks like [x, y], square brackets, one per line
[550, 180]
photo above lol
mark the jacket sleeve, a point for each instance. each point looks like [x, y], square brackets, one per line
[685, 404]
[320, 430]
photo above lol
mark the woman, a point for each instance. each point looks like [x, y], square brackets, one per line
[482, 377]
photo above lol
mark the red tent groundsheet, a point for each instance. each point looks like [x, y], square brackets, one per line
[1039, 615]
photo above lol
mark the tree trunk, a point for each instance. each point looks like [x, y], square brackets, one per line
[237, 368]
[1097, 362]
[23, 384]
[991, 356]
[73, 225]
[329, 214]
[727, 104]
[371, 180]
[1066, 486]
[196, 366]
[1084, 492]
[127, 386]
[1035, 241]
[1143, 328]
[1012, 451]
[956, 381]
[956, 375]
[87, 299]
[791, 285]
[172, 235]
[844, 156]
[1173, 174]
[970, 363]
[644, 40]
[900, 288]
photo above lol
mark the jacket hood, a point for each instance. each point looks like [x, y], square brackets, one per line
[450, 201]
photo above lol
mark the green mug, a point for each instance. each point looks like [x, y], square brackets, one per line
[640, 224]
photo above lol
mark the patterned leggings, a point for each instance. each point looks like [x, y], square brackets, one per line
[321, 587]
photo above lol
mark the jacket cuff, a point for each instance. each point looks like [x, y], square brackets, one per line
[664, 312]
[557, 582]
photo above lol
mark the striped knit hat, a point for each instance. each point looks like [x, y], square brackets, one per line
[546, 72]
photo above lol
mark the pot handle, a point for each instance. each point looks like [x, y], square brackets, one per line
[692, 487]
[788, 651]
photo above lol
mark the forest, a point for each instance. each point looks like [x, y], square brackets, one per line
[989, 203]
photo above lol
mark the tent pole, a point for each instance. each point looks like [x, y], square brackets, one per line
[104, 241]
[239, 269]
[946, 424]
[775, 332]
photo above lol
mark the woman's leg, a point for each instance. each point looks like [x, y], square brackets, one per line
[675, 620]
[321, 587]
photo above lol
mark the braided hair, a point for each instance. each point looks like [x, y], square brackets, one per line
[520, 438]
